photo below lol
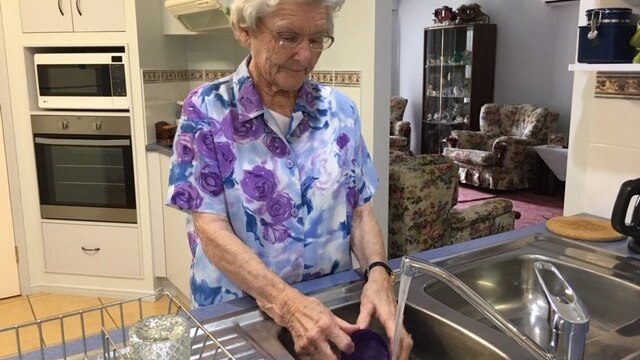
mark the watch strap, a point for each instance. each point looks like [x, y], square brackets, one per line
[378, 263]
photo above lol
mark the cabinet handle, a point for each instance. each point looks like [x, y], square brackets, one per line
[78, 7]
[89, 251]
[60, 7]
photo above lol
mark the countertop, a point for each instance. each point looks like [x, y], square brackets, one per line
[209, 312]
[159, 148]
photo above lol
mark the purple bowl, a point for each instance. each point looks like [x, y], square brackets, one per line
[369, 346]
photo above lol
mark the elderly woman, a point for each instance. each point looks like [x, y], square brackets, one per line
[277, 182]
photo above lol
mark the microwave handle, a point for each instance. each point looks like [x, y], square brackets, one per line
[82, 142]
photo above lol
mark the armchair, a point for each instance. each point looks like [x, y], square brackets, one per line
[423, 191]
[399, 130]
[501, 155]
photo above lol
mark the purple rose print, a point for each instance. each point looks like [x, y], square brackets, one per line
[204, 144]
[302, 127]
[307, 95]
[186, 196]
[275, 233]
[249, 98]
[352, 197]
[183, 146]
[277, 146]
[190, 110]
[242, 131]
[342, 141]
[258, 183]
[279, 207]
[209, 180]
[226, 158]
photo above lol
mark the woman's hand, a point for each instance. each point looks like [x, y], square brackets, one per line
[378, 299]
[315, 329]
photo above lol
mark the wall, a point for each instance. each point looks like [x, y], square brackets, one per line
[535, 45]
[604, 146]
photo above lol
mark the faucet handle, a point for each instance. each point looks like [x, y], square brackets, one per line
[568, 317]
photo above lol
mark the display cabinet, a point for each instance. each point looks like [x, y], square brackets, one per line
[459, 68]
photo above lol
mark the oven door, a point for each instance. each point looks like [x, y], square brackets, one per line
[86, 178]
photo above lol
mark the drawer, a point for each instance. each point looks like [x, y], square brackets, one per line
[103, 250]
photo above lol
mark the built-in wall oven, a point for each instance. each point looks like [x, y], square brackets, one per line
[85, 167]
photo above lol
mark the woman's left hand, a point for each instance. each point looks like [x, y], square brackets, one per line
[378, 299]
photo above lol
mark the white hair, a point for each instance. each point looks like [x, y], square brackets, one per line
[245, 14]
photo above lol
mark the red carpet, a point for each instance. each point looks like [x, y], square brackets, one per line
[534, 208]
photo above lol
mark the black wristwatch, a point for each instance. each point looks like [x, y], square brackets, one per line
[381, 264]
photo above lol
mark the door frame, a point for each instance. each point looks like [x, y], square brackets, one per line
[12, 167]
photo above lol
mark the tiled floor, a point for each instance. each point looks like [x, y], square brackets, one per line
[27, 309]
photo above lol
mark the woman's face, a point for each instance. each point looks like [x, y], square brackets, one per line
[275, 68]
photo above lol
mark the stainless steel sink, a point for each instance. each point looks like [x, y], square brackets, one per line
[444, 326]
[609, 287]
[436, 337]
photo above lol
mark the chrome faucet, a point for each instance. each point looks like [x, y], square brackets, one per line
[568, 319]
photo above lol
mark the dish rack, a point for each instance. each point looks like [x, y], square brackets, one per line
[109, 344]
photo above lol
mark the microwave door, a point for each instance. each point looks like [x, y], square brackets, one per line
[74, 86]
[74, 80]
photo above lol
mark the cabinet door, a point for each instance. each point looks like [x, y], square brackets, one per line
[46, 16]
[98, 15]
[447, 88]
[459, 66]
[177, 253]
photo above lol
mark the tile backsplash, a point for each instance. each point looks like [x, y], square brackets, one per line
[333, 78]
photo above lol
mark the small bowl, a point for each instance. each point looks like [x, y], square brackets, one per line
[369, 345]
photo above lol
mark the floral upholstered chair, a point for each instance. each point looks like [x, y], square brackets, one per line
[501, 155]
[423, 192]
[399, 130]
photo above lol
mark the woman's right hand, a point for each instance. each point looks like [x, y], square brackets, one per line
[315, 329]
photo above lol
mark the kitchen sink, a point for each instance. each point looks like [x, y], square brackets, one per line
[504, 276]
[435, 337]
[444, 326]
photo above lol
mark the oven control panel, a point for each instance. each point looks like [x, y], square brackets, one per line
[81, 125]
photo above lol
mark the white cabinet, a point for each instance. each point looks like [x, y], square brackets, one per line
[171, 25]
[178, 255]
[92, 249]
[72, 15]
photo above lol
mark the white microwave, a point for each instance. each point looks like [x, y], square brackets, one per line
[83, 81]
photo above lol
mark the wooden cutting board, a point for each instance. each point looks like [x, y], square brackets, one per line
[583, 228]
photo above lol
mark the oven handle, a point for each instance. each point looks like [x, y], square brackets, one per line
[112, 142]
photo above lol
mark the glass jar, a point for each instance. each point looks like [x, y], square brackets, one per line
[160, 337]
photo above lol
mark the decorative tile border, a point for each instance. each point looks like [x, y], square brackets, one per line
[335, 78]
[617, 85]
[346, 78]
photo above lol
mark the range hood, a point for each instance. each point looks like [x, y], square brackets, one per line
[200, 15]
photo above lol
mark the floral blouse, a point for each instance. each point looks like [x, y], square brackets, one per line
[290, 200]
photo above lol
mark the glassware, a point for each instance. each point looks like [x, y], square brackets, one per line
[160, 337]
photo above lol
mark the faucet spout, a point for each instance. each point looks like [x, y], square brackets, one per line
[568, 318]
[567, 342]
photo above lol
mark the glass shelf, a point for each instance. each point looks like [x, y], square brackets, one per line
[447, 123]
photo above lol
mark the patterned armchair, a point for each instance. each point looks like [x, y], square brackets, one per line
[501, 155]
[399, 131]
[423, 191]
